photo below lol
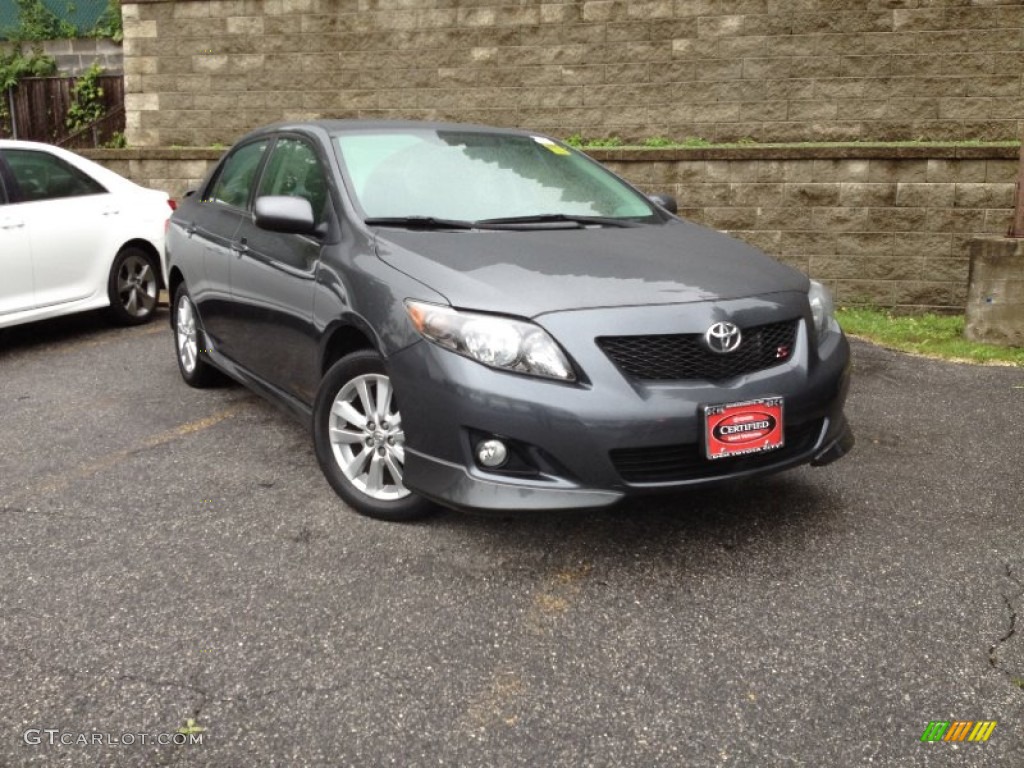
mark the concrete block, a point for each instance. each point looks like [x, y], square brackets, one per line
[995, 295]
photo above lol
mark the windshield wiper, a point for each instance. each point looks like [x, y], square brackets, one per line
[418, 222]
[514, 222]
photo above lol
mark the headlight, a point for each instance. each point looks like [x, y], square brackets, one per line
[822, 309]
[499, 342]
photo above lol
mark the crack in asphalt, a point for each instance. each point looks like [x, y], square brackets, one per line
[203, 695]
[163, 757]
[993, 652]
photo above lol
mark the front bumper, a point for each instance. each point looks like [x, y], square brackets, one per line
[593, 443]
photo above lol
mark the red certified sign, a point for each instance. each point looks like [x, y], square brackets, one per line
[735, 429]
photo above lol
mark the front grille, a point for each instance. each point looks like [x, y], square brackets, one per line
[675, 463]
[672, 357]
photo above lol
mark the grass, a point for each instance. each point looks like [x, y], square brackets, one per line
[939, 336]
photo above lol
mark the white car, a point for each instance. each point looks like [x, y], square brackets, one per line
[75, 236]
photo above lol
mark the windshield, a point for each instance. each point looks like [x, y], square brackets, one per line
[473, 176]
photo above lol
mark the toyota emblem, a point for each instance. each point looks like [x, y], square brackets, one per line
[723, 338]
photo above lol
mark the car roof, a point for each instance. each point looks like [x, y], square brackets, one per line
[21, 144]
[339, 127]
[100, 173]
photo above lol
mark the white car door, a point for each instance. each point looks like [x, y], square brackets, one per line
[71, 224]
[15, 260]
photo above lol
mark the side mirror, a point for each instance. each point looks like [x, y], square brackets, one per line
[665, 201]
[291, 215]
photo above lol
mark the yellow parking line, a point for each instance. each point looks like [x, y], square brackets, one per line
[192, 426]
[56, 483]
[149, 329]
[95, 339]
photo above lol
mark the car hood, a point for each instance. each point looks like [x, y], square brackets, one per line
[531, 272]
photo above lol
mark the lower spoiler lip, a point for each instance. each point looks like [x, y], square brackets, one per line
[838, 448]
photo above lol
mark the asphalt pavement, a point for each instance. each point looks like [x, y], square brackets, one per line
[171, 555]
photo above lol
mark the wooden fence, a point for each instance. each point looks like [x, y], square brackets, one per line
[39, 107]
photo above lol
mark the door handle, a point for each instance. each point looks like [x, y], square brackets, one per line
[11, 224]
[111, 212]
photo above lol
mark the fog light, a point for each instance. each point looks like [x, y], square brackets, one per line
[491, 453]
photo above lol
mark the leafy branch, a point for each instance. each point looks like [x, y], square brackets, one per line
[86, 99]
[14, 65]
[110, 24]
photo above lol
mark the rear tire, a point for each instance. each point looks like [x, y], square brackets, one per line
[133, 287]
[359, 441]
[189, 343]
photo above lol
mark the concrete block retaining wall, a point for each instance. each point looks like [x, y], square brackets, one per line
[882, 226]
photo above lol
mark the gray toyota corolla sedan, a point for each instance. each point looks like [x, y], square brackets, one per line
[490, 320]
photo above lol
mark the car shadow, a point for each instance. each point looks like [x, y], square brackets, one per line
[789, 510]
[82, 326]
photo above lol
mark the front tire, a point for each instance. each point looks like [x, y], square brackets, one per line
[133, 286]
[359, 440]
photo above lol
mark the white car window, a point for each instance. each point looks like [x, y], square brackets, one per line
[42, 176]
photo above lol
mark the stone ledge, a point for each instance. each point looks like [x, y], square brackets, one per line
[803, 152]
[156, 153]
[670, 154]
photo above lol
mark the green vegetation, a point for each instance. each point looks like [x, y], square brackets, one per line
[110, 25]
[576, 140]
[117, 141]
[658, 141]
[190, 727]
[931, 335]
[15, 65]
[36, 22]
[87, 99]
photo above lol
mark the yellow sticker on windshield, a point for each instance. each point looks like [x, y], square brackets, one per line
[551, 146]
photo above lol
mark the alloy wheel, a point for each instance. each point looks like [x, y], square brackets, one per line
[366, 436]
[137, 286]
[185, 334]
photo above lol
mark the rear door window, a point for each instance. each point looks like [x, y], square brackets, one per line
[42, 176]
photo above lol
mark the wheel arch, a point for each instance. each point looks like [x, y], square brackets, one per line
[174, 279]
[346, 336]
